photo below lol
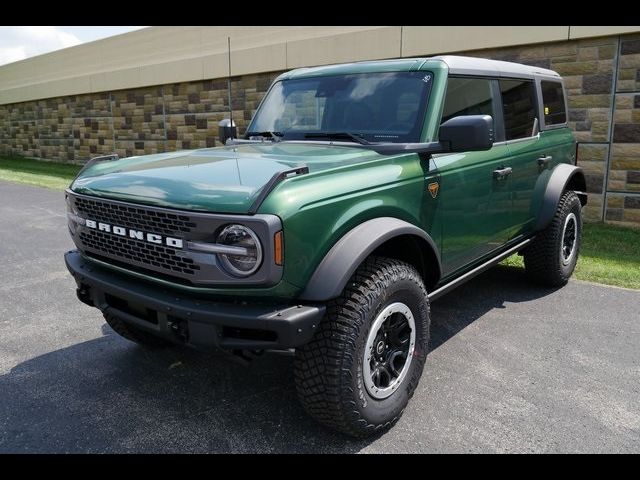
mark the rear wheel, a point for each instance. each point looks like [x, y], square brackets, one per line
[551, 258]
[362, 366]
[134, 334]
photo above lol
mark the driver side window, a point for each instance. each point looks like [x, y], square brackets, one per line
[468, 96]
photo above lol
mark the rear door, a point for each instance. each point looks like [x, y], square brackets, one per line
[532, 155]
[556, 138]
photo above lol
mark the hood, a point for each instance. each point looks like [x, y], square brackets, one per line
[220, 180]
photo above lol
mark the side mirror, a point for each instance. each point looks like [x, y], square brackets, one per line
[226, 130]
[467, 133]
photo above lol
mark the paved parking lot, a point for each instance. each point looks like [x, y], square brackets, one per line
[513, 368]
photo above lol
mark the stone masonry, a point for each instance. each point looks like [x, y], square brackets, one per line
[129, 122]
[602, 76]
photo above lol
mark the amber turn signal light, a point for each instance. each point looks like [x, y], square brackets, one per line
[278, 248]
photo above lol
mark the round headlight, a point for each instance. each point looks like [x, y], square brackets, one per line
[249, 255]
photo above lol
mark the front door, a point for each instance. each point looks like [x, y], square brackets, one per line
[476, 205]
[475, 195]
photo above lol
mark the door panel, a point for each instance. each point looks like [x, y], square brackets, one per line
[520, 116]
[475, 203]
[475, 206]
[533, 160]
[526, 171]
[533, 157]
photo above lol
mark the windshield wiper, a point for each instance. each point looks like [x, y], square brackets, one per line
[275, 136]
[352, 136]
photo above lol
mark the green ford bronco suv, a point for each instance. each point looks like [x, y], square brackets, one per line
[360, 193]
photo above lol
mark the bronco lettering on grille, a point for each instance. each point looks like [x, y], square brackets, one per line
[136, 234]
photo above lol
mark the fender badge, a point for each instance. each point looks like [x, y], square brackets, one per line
[433, 189]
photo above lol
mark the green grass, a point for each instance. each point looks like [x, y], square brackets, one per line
[609, 255]
[37, 172]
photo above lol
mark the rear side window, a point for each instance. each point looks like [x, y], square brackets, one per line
[553, 103]
[518, 104]
[468, 96]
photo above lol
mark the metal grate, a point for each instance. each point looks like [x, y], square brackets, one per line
[134, 217]
[135, 250]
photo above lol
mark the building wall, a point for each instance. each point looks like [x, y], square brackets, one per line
[174, 54]
[602, 75]
[129, 122]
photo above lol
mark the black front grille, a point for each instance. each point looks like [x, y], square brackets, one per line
[129, 232]
[150, 254]
[135, 217]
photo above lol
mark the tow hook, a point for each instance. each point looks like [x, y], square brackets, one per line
[179, 328]
[245, 357]
[84, 295]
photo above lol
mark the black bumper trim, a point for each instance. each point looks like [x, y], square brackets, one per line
[205, 319]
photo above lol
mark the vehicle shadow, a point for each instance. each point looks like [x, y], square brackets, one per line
[109, 395]
[492, 289]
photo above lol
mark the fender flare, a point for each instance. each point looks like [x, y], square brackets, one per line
[562, 175]
[333, 272]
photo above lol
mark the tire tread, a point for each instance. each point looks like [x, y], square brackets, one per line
[322, 376]
[542, 257]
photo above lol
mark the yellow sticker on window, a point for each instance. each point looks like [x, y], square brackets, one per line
[546, 110]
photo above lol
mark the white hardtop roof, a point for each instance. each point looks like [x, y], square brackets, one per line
[484, 66]
[457, 65]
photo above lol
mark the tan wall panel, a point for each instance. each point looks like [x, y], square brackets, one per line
[216, 65]
[259, 59]
[98, 82]
[167, 54]
[244, 37]
[375, 43]
[37, 91]
[598, 31]
[171, 72]
[440, 39]
[66, 86]
[125, 78]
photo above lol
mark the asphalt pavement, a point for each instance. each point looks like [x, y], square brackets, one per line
[512, 368]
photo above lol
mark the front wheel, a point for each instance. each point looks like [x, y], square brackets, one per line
[552, 256]
[362, 366]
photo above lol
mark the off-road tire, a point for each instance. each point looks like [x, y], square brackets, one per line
[542, 258]
[134, 334]
[329, 369]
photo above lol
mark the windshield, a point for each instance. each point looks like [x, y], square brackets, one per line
[377, 107]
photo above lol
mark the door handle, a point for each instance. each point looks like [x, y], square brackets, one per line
[501, 173]
[544, 161]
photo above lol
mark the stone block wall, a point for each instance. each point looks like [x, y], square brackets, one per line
[139, 121]
[602, 76]
[623, 184]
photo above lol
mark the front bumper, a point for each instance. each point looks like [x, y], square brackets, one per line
[197, 322]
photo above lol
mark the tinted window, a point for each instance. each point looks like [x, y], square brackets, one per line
[553, 103]
[387, 106]
[467, 96]
[518, 104]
